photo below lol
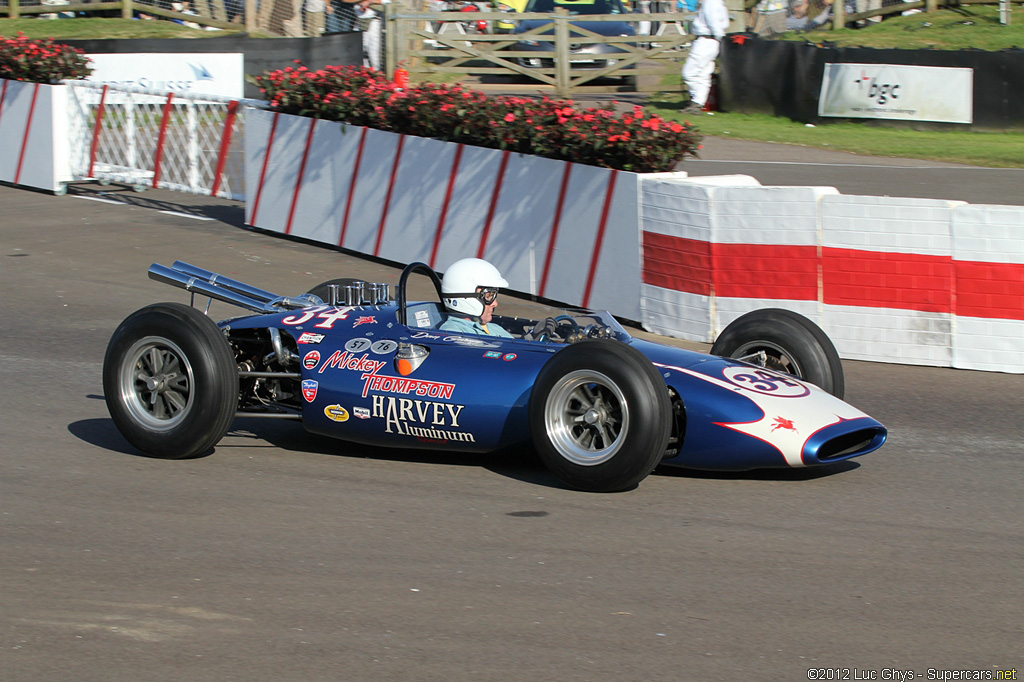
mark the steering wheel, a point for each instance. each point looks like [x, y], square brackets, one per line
[568, 322]
[562, 328]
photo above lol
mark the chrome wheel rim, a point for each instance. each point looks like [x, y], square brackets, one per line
[157, 383]
[586, 417]
[778, 358]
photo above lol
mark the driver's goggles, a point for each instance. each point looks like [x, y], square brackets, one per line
[488, 295]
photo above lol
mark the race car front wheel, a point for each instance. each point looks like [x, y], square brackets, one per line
[791, 343]
[170, 381]
[600, 416]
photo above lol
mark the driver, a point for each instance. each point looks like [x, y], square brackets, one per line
[470, 291]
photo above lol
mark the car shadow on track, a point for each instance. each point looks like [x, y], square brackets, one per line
[795, 475]
[103, 434]
[519, 464]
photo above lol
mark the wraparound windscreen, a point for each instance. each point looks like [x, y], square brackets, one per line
[910, 93]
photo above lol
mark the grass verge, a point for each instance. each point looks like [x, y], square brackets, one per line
[102, 28]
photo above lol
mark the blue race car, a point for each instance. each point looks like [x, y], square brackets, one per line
[602, 409]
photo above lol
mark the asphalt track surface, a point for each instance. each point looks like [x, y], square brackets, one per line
[287, 557]
[776, 164]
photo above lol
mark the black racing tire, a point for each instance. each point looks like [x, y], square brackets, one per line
[170, 381]
[793, 345]
[322, 290]
[600, 416]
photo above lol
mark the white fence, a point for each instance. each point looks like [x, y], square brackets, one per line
[158, 139]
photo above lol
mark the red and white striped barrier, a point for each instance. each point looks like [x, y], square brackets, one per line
[913, 281]
[34, 135]
[558, 230]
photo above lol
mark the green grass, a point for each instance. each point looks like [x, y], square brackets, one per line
[994, 149]
[974, 27]
[97, 29]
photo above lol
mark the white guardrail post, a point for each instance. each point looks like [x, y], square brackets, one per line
[155, 139]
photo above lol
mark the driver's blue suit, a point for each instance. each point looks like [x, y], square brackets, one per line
[465, 325]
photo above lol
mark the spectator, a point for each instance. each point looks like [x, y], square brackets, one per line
[346, 13]
[709, 27]
[315, 17]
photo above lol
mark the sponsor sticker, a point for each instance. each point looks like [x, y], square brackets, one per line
[384, 347]
[765, 382]
[336, 413]
[422, 318]
[310, 337]
[404, 386]
[309, 387]
[492, 354]
[357, 345]
[365, 319]
[508, 357]
[421, 419]
[472, 343]
[783, 423]
[311, 359]
[361, 412]
[348, 360]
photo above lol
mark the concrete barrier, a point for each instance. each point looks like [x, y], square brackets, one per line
[914, 281]
[34, 146]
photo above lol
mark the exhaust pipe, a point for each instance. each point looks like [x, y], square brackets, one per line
[222, 281]
[205, 287]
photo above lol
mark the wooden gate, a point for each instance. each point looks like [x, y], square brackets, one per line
[431, 44]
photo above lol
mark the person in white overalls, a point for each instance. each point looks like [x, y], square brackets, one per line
[709, 27]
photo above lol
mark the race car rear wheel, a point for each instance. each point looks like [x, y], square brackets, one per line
[791, 343]
[600, 416]
[170, 381]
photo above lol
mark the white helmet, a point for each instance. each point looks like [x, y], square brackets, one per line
[461, 280]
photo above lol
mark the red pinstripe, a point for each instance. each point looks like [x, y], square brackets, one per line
[3, 98]
[444, 207]
[263, 170]
[352, 187]
[387, 198]
[554, 228]
[28, 127]
[225, 143]
[494, 204]
[596, 256]
[161, 138]
[302, 172]
[97, 128]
